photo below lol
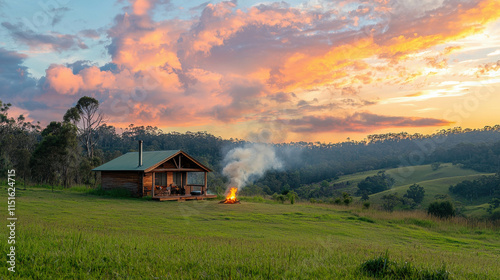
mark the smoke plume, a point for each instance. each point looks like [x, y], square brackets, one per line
[250, 162]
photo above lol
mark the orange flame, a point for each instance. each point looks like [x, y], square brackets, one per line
[231, 196]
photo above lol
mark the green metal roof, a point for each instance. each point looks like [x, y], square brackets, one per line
[130, 161]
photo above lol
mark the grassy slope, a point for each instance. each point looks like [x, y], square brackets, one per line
[79, 236]
[434, 183]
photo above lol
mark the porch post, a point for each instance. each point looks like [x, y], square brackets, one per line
[205, 187]
[153, 184]
[142, 182]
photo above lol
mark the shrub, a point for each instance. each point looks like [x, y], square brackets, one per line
[366, 205]
[375, 184]
[416, 193]
[292, 196]
[281, 198]
[365, 196]
[346, 198]
[390, 201]
[376, 267]
[494, 204]
[495, 215]
[382, 267]
[441, 209]
[274, 196]
[338, 200]
[435, 166]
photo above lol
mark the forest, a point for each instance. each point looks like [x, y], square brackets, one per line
[65, 151]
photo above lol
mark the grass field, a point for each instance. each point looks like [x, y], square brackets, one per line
[74, 235]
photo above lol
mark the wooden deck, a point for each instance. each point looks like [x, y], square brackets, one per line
[183, 197]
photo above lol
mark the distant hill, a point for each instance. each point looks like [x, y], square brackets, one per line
[435, 183]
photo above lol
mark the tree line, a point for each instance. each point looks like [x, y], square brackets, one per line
[64, 152]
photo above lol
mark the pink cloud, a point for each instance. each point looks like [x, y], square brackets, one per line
[62, 80]
[232, 65]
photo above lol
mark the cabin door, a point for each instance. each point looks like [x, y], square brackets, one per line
[178, 178]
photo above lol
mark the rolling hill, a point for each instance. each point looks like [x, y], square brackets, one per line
[435, 182]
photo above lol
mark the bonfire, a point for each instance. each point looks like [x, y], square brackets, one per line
[231, 197]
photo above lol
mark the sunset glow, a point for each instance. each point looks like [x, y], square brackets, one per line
[305, 70]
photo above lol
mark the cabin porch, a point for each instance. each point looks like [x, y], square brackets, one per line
[183, 197]
[178, 178]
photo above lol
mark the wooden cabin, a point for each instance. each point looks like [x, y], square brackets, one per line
[165, 175]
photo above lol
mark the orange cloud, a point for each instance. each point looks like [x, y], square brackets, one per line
[260, 64]
[141, 7]
[62, 80]
[403, 37]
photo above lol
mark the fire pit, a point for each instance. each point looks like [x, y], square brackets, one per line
[231, 197]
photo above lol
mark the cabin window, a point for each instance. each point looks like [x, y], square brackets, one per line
[196, 178]
[161, 179]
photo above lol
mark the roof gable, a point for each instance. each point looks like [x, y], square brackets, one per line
[150, 160]
[130, 161]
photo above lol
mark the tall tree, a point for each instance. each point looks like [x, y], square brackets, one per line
[55, 159]
[18, 139]
[415, 192]
[88, 118]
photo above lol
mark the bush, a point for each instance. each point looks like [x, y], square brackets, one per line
[279, 197]
[416, 193]
[292, 196]
[494, 204]
[346, 198]
[365, 196]
[390, 201]
[435, 166]
[379, 266]
[366, 205]
[375, 184]
[441, 209]
[382, 267]
[495, 215]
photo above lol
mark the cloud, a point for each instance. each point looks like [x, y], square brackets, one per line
[266, 63]
[350, 90]
[57, 14]
[244, 101]
[359, 122]
[15, 79]
[144, 7]
[497, 52]
[18, 87]
[53, 41]
[486, 68]
[90, 33]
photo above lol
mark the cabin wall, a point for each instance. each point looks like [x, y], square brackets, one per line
[148, 181]
[130, 181]
[170, 178]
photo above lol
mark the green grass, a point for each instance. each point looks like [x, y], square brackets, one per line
[74, 235]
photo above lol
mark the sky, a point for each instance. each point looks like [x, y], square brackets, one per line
[316, 71]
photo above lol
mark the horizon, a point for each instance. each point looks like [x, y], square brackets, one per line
[311, 71]
[262, 136]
